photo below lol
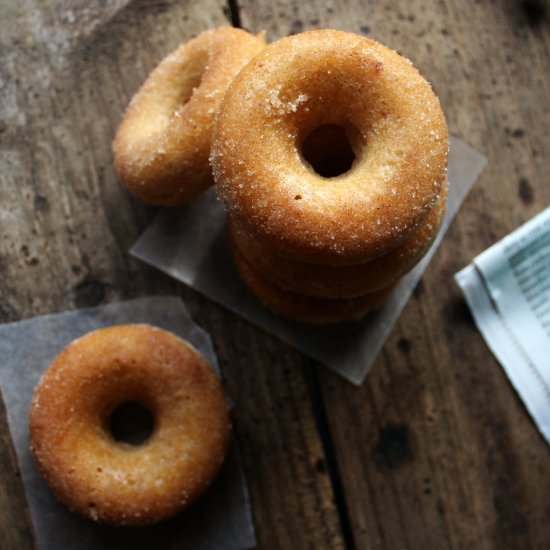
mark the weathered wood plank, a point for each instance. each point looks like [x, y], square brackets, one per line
[12, 499]
[68, 70]
[285, 462]
[436, 451]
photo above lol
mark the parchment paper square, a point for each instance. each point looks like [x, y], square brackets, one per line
[190, 245]
[221, 519]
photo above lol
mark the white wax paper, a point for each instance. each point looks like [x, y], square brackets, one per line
[190, 244]
[221, 519]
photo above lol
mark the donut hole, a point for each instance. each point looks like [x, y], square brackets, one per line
[328, 150]
[190, 77]
[163, 104]
[131, 423]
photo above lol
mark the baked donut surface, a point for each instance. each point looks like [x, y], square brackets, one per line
[325, 281]
[394, 124]
[162, 145]
[114, 482]
[307, 309]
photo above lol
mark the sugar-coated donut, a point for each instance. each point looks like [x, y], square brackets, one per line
[104, 479]
[325, 281]
[392, 120]
[162, 145]
[299, 307]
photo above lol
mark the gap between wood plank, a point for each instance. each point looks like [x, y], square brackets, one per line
[320, 414]
[234, 13]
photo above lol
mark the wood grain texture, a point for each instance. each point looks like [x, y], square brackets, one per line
[15, 529]
[436, 450]
[67, 71]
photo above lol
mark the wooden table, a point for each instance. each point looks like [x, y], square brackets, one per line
[435, 450]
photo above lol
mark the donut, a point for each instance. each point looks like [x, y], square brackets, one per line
[306, 309]
[111, 481]
[322, 86]
[340, 281]
[162, 145]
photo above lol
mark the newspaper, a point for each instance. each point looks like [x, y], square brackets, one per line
[507, 287]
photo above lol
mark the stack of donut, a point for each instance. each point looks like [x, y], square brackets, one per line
[329, 152]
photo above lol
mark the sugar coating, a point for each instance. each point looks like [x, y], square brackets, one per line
[340, 281]
[162, 144]
[110, 481]
[300, 307]
[330, 77]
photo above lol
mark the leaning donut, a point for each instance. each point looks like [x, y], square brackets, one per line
[110, 481]
[162, 145]
[392, 120]
[325, 281]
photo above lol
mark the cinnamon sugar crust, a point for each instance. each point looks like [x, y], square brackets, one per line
[111, 481]
[393, 121]
[162, 145]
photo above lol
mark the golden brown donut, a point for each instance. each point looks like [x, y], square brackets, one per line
[391, 118]
[341, 281]
[307, 309]
[109, 481]
[162, 145]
